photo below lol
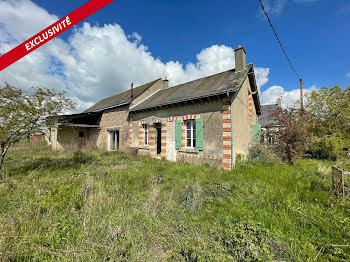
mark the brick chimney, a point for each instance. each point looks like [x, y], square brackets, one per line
[279, 102]
[166, 83]
[240, 54]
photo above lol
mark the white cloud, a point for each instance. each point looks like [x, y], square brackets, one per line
[275, 7]
[271, 95]
[96, 61]
[23, 19]
[135, 36]
[211, 60]
[262, 76]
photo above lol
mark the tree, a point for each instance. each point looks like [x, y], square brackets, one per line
[292, 136]
[331, 108]
[23, 113]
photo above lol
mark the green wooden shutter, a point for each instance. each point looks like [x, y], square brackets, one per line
[178, 131]
[199, 134]
[256, 134]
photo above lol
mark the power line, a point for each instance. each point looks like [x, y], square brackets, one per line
[279, 41]
[285, 53]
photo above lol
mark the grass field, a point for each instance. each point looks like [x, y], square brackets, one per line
[86, 206]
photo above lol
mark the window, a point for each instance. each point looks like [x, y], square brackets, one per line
[113, 140]
[50, 134]
[81, 134]
[191, 133]
[145, 127]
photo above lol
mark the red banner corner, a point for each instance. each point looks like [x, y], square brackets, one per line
[51, 32]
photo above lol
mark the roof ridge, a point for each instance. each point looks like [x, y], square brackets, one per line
[202, 78]
[231, 72]
[233, 69]
[95, 108]
[130, 89]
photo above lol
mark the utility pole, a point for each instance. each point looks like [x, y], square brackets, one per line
[301, 96]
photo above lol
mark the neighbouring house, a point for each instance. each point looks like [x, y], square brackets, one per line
[209, 120]
[37, 137]
[104, 125]
[269, 124]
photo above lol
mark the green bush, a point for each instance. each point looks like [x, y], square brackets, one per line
[246, 242]
[242, 241]
[327, 148]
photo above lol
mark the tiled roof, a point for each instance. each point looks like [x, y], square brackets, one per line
[267, 118]
[119, 99]
[204, 87]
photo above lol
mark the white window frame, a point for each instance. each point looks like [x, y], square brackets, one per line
[115, 131]
[50, 134]
[146, 131]
[192, 129]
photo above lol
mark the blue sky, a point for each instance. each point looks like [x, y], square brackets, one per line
[315, 34]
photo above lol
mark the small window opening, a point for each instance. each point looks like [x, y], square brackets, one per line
[81, 134]
[146, 134]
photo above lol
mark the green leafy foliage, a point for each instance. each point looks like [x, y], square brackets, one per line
[23, 113]
[328, 147]
[330, 107]
[322, 130]
[329, 112]
[246, 242]
[241, 241]
[292, 135]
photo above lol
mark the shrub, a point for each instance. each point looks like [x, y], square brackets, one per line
[192, 250]
[330, 147]
[243, 241]
[262, 154]
[246, 242]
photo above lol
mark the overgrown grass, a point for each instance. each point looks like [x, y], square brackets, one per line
[79, 206]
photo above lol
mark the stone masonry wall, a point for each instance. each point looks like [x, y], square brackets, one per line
[114, 118]
[212, 135]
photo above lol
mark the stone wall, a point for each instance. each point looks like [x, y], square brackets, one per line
[68, 138]
[212, 133]
[117, 117]
[160, 84]
[243, 117]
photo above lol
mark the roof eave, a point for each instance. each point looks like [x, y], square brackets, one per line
[78, 125]
[110, 107]
[252, 80]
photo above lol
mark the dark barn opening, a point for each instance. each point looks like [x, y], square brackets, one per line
[159, 140]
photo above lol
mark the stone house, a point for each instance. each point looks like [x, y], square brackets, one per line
[37, 137]
[104, 125]
[269, 124]
[209, 120]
